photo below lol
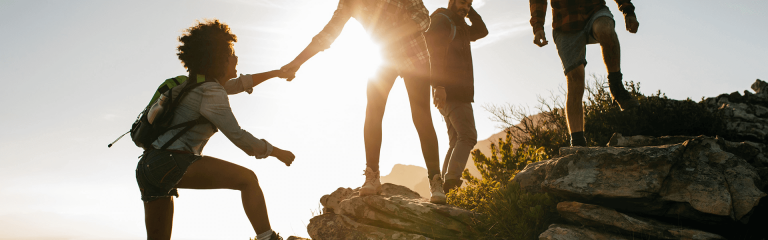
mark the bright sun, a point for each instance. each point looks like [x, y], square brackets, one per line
[354, 49]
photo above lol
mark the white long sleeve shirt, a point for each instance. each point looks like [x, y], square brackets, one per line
[210, 100]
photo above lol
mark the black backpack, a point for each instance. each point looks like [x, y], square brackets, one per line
[143, 133]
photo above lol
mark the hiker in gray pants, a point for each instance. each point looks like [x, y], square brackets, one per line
[448, 40]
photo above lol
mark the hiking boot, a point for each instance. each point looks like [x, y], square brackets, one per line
[436, 188]
[372, 185]
[622, 96]
[451, 184]
[276, 236]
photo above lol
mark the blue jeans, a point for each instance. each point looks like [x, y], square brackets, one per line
[462, 137]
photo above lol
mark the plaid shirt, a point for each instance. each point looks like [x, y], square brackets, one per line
[380, 18]
[571, 15]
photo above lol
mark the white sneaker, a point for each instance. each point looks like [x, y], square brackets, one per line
[372, 185]
[436, 187]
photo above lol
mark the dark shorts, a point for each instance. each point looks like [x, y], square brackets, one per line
[572, 47]
[158, 172]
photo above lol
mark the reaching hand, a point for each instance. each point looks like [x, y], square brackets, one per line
[283, 155]
[632, 23]
[439, 96]
[287, 75]
[289, 71]
[540, 39]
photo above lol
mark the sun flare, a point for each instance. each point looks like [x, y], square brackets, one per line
[356, 52]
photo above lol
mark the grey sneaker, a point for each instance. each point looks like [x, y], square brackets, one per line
[372, 185]
[436, 188]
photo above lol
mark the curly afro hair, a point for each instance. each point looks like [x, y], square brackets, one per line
[206, 47]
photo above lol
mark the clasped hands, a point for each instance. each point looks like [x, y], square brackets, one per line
[288, 72]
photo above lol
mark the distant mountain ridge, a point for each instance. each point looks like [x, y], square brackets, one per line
[415, 177]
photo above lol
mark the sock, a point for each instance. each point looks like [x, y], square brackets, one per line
[265, 235]
[578, 139]
[615, 77]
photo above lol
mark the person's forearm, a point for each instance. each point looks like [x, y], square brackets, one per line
[478, 29]
[310, 51]
[438, 69]
[261, 77]
[626, 7]
[538, 13]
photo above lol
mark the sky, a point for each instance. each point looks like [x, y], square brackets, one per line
[76, 73]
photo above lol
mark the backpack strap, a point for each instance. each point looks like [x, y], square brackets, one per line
[453, 26]
[187, 126]
[199, 80]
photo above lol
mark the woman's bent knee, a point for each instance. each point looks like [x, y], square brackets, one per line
[247, 180]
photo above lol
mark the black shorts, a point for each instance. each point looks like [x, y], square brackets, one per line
[158, 172]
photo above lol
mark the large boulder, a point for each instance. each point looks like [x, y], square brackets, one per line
[398, 213]
[696, 179]
[610, 220]
[746, 116]
[571, 232]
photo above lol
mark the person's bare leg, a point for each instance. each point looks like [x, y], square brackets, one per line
[605, 33]
[377, 93]
[213, 173]
[418, 95]
[573, 105]
[158, 218]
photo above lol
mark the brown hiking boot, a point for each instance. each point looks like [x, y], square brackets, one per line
[622, 96]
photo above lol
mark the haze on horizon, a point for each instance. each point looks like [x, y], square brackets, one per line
[78, 72]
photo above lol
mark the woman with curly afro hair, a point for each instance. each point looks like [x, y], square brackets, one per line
[206, 52]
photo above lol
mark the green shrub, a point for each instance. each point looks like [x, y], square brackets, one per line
[496, 171]
[515, 214]
[656, 116]
[505, 210]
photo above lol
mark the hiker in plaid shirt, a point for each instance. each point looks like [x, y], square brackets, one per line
[576, 23]
[398, 27]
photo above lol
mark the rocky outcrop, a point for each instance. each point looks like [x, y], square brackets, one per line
[296, 238]
[746, 116]
[398, 213]
[612, 221]
[571, 232]
[701, 181]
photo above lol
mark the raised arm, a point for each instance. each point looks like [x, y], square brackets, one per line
[245, 83]
[322, 40]
[478, 29]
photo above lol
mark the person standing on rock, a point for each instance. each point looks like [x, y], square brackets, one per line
[398, 27]
[448, 40]
[575, 24]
